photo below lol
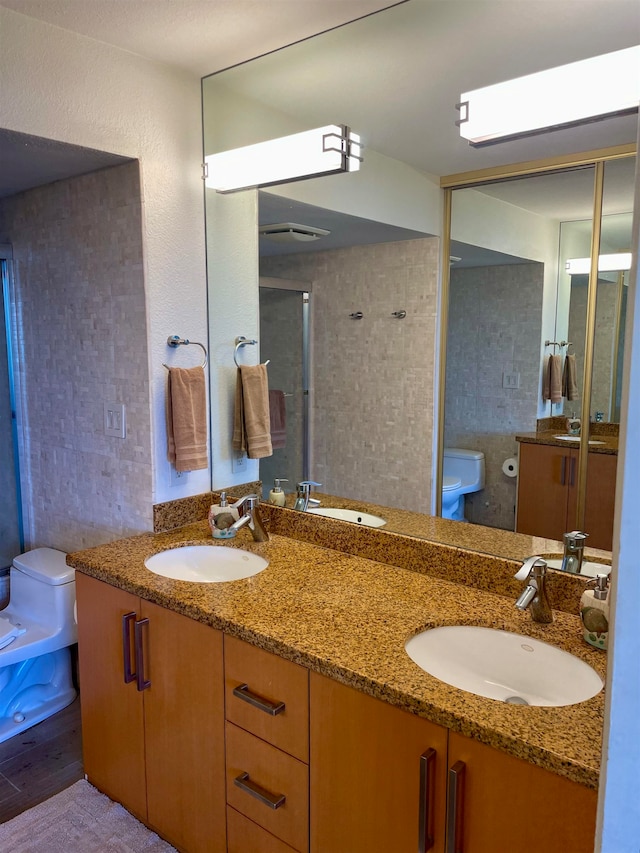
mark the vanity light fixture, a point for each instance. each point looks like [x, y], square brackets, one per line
[606, 263]
[323, 151]
[580, 92]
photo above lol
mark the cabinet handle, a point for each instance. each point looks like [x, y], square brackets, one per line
[143, 683]
[272, 708]
[427, 791]
[455, 807]
[563, 471]
[127, 619]
[274, 801]
[572, 471]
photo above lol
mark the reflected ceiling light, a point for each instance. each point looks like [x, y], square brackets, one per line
[580, 92]
[606, 263]
[323, 151]
[291, 232]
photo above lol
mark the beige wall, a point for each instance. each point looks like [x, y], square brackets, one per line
[79, 307]
[373, 379]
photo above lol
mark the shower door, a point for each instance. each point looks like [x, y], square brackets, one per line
[284, 341]
[10, 517]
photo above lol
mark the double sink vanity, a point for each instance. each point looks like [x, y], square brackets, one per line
[269, 697]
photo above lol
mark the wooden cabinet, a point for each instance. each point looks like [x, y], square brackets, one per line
[267, 739]
[153, 713]
[383, 780]
[547, 481]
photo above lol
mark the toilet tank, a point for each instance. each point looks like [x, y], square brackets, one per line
[467, 465]
[42, 588]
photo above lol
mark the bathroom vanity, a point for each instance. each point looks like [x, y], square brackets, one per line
[547, 480]
[204, 704]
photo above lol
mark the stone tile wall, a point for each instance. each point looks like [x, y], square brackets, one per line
[81, 341]
[495, 324]
[373, 379]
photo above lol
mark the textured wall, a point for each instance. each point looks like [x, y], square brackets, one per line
[495, 324]
[373, 379]
[80, 309]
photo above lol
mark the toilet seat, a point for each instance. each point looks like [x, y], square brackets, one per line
[451, 483]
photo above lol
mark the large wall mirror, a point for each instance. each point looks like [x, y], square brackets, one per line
[349, 318]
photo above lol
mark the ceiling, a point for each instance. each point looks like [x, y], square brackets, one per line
[394, 76]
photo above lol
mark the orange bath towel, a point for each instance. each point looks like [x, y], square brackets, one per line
[251, 427]
[187, 418]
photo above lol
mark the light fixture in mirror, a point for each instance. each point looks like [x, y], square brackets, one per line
[322, 151]
[606, 263]
[579, 92]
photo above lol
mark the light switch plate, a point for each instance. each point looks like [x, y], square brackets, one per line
[114, 420]
[511, 380]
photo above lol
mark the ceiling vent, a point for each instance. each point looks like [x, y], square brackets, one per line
[291, 232]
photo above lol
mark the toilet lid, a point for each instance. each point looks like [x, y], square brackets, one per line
[45, 564]
[451, 483]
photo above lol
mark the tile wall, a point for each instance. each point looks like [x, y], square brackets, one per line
[373, 379]
[495, 326]
[80, 313]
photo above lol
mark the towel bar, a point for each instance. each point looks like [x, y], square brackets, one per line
[176, 341]
[241, 341]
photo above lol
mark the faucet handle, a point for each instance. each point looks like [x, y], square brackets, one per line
[575, 539]
[528, 566]
[252, 500]
[304, 486]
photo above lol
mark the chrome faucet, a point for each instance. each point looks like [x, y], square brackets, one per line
[534, 595]
[573, 551]
[303, 493]
[251, 516]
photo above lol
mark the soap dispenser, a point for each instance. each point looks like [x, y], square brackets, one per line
[221, 509]
[277, 496]
[594, 612]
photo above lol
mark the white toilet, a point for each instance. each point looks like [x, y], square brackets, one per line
[462, 473]
[36, 629]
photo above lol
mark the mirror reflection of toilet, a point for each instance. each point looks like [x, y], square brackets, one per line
[36, 629]
[462, 473]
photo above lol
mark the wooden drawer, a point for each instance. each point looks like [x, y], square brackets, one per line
[268, 681]
[245, 836]
[276, 774]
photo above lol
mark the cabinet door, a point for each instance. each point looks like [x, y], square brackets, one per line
[184, 730]
[600, 500]
[543, 479]
[505, 804]
[112, 710]
[366, 769]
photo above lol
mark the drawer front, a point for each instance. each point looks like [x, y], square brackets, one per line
[258, 776]
[271, 698]
[245, 836]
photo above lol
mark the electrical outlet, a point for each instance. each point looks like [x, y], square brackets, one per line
[511, 380]
[238, 462]
[178, 478]
[114, 420]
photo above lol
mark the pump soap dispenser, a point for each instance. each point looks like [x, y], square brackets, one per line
[594, 612]
[277, 495]
[222, 508]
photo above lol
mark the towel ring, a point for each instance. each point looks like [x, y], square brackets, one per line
[176, 341]
[241, 341]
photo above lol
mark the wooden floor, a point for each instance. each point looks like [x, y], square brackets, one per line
[40, 762]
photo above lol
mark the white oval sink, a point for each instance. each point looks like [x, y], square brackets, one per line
[576, 438]
[353, 515]
[206, 564]
[500, 665]
[588, 569]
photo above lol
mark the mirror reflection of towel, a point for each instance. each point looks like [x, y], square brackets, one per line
[187, 418]
[278, 419]
[251, 428]
[555, 378]
[569, 379]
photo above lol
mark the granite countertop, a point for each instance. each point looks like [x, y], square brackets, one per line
[348, 618]
[609, 442]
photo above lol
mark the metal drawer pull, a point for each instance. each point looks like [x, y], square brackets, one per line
[274, 801]
[572, 471]
[563, 472]
[127, 619]
[455, 807]
[243, 692]
[143, 683]
[427, 790]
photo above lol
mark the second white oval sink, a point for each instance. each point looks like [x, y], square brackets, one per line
[354, 515]
[576, 438]
[206, 563]
[500, 665]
